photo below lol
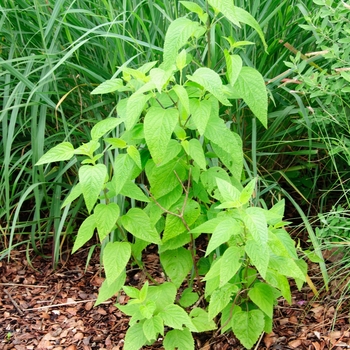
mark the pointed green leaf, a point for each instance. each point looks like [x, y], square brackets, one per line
[85, 232]
[63, 151]
[247, 192]
[115, 257]
[211, 82]
[108, 290]
[134, 337]
[220, 298]
[138, 223]
[208, 226]
[163, 179]
[106, 217]
[153, 327]
[251, 87]
[162, 295]
[197, 154]
[228, 192]
[255, 221]
[134, 107]
[177, 264]
[286, 266]
[134, 153]
[183, 97]
[160, 77]
[259, 256]
[245, 17]
[223, 232]
[178, 339]
[175, 316]
[263, 296]
[131, 190]
[201, 320]
[123, 167]
[188, 298]
[92, 179]
[159, 124]
[200, 111]
[177, 35]
[104, 126]
[248, 326]
[227, 8]
[231, 262]
[226, 144]
[108, 86]
[280, 282]
[234, 66]
[73, 195]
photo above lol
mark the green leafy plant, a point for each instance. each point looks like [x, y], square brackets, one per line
[179, 168]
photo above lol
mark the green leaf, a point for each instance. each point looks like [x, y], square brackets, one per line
[250, 86]
[115, 257]
[200, 111]
[147, 309]
[201, 320]
[208, 226]
[123, 167]
[73, 195]
[108, 290]
[88, 148]
[134, 107]
[92, 179]
[231, 262]
[108, 86]
[138, 223]
[280, 282]
[178, 339]
[228, 192]
[263, 296]
[188, 298]
[162, 295]
[134, 154]
[116, 142]
[174, 225]
[223, 232]
[220, 298]
[104, 126]
[177, 35]
[247, 326]
[211, 82]
[208, 178]
[234, 66]
[175, 317]
[259, 256]
[247, 192]
[63, 151]
[131, 190]
[159, 124]
[177, 264]
[106, 216]
[85, 232]
[134, 337]
[183, 97]
[226, 144]
[245, 17]
[152, 327]
[227, 8]
[132, 292]
[163, 179]
[286, 266]
[160, 78]
[193, 7]
[255, 221]
[196, 153]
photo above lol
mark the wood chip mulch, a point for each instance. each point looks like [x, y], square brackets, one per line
[42, 308]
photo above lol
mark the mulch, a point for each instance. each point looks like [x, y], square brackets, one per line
[42, 308]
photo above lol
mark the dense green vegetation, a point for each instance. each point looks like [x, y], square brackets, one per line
[55, 53]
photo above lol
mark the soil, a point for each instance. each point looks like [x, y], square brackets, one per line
[42, 308]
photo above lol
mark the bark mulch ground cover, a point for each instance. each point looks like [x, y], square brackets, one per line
[42, 308]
